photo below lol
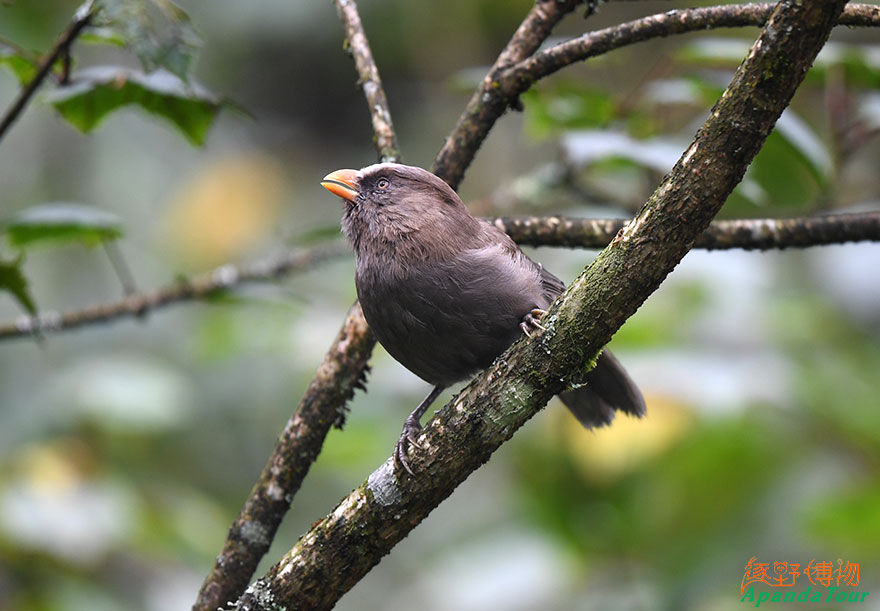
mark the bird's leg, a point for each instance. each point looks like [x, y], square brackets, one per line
[411, 427]
[532, 321]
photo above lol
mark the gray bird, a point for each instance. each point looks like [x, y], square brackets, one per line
[445, 293]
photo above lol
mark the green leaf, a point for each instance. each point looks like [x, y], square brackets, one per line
[22, 67]
[95, 92]
[62, 222]
[786, 177]
[567, 105]
[102, 36]
[157, 31]
[12, 280]
[793, 168]
[806, 145]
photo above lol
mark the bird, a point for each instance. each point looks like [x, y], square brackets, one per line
[446, 293]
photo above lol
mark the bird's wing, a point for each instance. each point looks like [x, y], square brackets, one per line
[553, 286]
[550, 284]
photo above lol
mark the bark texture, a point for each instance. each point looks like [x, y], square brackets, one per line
[747, 234]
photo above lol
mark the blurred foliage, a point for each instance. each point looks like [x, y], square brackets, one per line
[669, 504]
[12, 280]
[850, 518]
[61, 222]
[100, 90]
[224, 211]
[126, 450]
[157, 31]
[793, 172]
[23, 67]
[51, 224]
[568, 105]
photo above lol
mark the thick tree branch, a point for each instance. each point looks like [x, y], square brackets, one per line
[356, 41]
[748, 234]
[343, 369]
[341, 548]
[81, 19]
[137, 305]
[485, 106]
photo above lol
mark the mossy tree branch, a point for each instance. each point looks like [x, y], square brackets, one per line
[341, 548]
[748, 234]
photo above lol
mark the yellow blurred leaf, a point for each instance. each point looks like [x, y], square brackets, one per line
[225, 210]
[605, 454]
[60, 464]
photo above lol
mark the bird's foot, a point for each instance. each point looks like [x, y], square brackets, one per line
[532, 321]
[409, 436]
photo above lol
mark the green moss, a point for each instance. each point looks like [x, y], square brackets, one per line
[514, 398]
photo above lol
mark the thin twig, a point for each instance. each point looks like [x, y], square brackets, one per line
[485, 106]
[341, 548]
[520, 77]
[748, 234]
[356, 41]
[30, 56]
[120, 267]
[323, 404]
[81, 19]
[223, 278]
[504, 84]
[556, 231]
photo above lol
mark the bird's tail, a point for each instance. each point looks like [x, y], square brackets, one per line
[608, 389]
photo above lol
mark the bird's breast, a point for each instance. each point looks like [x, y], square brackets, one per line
[448, 319]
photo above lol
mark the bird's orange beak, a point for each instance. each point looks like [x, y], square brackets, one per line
[342, 183]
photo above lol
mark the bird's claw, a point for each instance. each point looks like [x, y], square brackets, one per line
[532, 321]
[408, 437]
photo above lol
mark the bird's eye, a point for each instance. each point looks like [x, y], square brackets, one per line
[382, 183]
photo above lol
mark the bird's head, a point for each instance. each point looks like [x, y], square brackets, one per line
[388, 204]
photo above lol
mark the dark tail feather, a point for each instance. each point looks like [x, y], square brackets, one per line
[608, 388]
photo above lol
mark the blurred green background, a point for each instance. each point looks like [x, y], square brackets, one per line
[127, 449]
